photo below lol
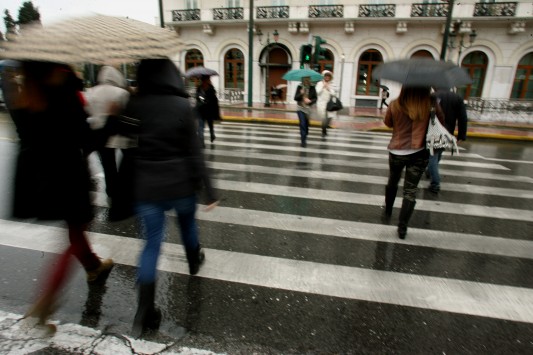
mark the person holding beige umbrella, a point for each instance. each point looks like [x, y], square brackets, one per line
[52, 178]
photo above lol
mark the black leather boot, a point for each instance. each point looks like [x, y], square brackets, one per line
[390, 196]
[147, 316]
[405, 214]
[195, 258]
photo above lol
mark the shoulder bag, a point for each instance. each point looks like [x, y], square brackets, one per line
[438, 137]
[334, 104]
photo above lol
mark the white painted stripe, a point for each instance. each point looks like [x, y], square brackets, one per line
[362, 231]
[374, 200]
[449, 295]
[24, 337]
[335, 142]
[368, 179]
[317, 163]
[331, 152]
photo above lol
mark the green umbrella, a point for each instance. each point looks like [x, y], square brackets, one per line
[299, 74]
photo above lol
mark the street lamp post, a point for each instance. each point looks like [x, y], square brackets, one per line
[267, 65]
[461, 45]
[446, 29]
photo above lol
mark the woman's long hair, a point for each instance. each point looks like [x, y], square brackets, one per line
[415, 102]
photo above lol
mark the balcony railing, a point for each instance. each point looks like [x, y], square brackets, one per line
[429, 10]
[228, 13]
[186, 15]
[377, 10]
[324, 11]
[273, 12]
[495, 9]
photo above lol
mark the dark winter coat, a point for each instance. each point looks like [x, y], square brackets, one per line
[168, 161]
[52, 179]
[207, 103]
[454, 112]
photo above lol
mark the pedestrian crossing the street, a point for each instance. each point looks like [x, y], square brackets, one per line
[300, 260]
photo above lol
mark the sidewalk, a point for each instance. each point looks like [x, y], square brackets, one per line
[366, 119]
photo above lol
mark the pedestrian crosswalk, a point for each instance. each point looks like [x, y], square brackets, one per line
[300, 260]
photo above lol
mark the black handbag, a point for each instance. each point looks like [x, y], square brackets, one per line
[334, 104]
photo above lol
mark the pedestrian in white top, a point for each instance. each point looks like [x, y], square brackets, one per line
[108, 96]
[324, 91]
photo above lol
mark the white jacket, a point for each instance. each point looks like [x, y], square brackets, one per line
[323, 96]
[111, 89]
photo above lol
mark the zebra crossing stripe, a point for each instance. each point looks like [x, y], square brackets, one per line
[462, 209]
[368, 179]
[333, 152]
[319, 161]
[441, 294]
[362, 231]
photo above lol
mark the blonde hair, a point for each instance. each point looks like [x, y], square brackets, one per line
[415, 102]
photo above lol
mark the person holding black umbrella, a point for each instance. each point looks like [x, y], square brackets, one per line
[207, 107]
[408, 116]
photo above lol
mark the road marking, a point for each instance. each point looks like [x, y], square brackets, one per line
[24, 337]
[368, 179]
[310, 162]
[441, 294]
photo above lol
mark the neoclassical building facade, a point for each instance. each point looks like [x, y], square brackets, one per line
[492, 40]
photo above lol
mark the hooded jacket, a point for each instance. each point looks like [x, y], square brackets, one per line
[168, 162]
[111, 89]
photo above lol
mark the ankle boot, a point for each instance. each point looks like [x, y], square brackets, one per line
[195, 258]
[405, 214]
[390, 196]
[147, 315]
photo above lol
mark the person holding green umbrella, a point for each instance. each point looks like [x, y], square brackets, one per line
[305, 97]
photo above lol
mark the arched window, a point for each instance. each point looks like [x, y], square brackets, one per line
[422, 54]
[327, 62]
[367, 63]
[234, 69]
[523, 79]
[475, 64]
[193, 58]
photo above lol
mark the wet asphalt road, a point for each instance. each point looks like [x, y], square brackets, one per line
[298, 258]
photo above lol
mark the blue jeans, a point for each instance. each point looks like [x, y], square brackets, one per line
[433, 169]
[152, 217]
[201, 126]
[304, 125]
[415, 164]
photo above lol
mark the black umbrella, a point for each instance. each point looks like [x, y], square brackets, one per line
[198, 72]
[422, 72]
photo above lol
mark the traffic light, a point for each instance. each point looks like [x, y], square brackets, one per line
[305, 54]
[319, 51]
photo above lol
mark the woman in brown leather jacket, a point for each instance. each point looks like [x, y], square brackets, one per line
[408, 116]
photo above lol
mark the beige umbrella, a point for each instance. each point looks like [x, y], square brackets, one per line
[97, 39]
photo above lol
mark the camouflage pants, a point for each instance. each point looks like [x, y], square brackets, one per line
[415, 165]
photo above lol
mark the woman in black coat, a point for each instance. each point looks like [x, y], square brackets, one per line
[168, 168]
[207, 107]
[52, 180]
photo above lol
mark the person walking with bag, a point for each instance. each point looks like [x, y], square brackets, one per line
[168, 168]
[52, 180]
[454, 110]
[324, 92]
[109, 94]
[305, 97]
[408, 116]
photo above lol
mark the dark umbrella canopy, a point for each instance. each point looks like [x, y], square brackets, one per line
[198, 72]
[422, 72]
